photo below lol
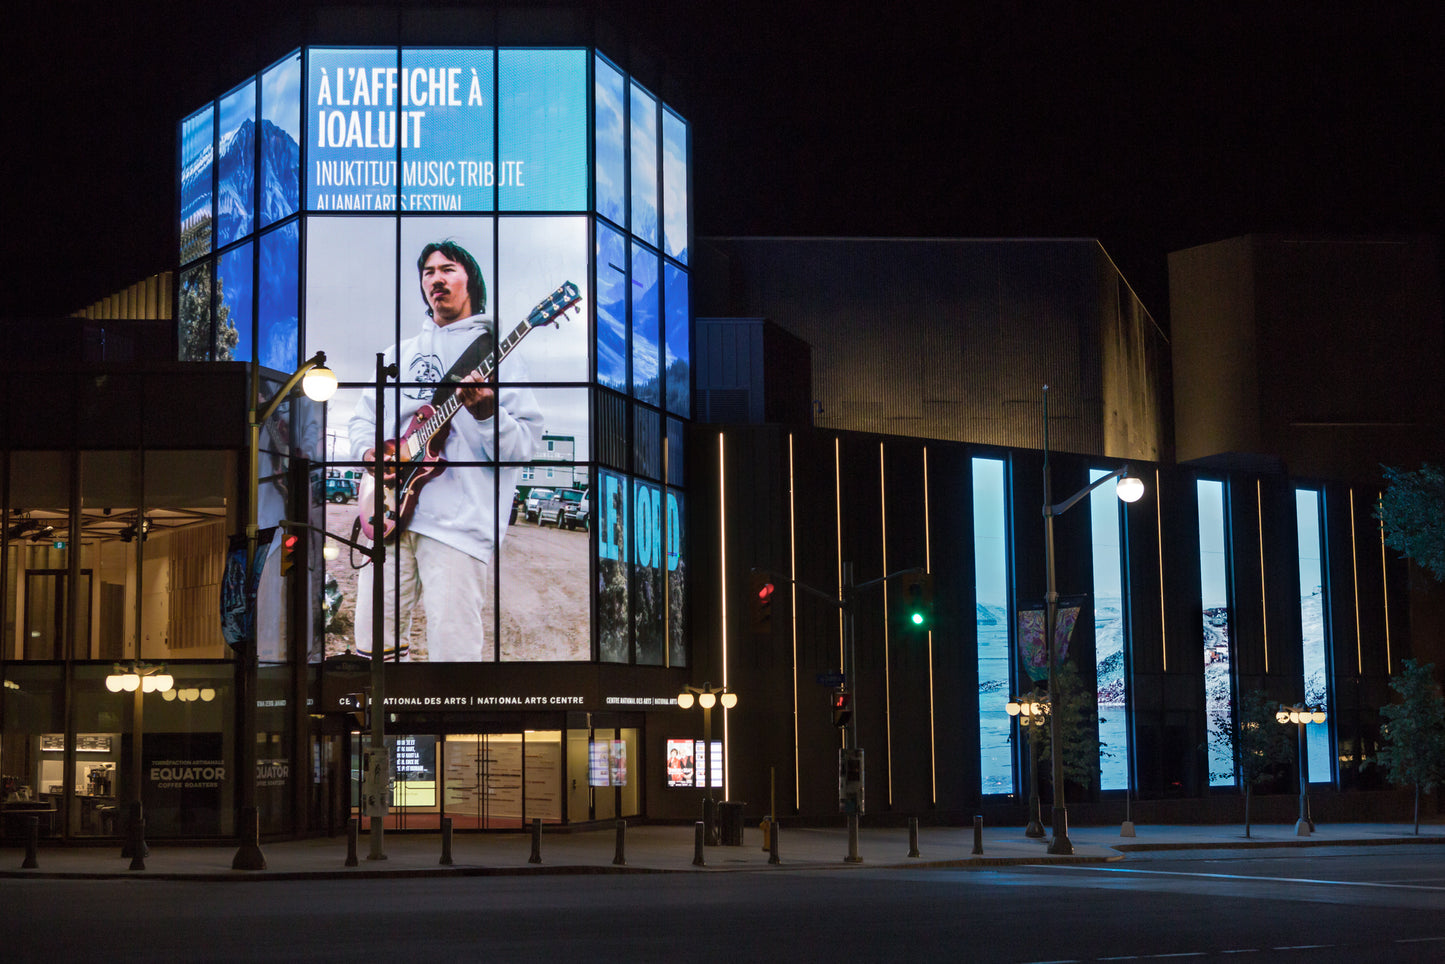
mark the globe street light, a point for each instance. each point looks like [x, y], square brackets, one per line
[1301, 716]
[707, 698]
[138, 678]
[1129, 489]
[1032, 712]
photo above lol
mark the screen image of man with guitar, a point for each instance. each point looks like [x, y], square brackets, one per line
[441, 521]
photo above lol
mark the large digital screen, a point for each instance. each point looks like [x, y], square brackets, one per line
[467, 577]
[435, 113]
[333, 201]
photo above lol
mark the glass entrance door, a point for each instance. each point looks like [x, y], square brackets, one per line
[502, 781]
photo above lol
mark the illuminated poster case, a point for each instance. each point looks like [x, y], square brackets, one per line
[557, 188]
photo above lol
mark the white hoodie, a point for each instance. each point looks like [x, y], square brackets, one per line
[459, 506]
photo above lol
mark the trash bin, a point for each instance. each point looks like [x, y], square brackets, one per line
[730, 823]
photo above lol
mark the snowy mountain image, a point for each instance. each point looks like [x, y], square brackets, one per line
[280, 165]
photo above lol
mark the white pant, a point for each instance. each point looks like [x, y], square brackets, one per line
[451, 584]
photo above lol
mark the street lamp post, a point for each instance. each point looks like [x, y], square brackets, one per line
[138, 678]
[1300, 716]
[707, 698]
[1032, 712]
[380, 758]
[1129, 489]
[319, 384]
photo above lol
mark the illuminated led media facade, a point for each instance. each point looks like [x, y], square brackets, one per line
[520, 214]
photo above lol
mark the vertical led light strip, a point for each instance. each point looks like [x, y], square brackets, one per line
[1159, 541]
[1263, 596]
[928, 567]
[1355, 574]
[887, 668]
[838, 535]
[793, 595]
[722, 508]
[1385, 593]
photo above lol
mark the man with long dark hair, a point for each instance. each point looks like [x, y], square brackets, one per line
[444, 552]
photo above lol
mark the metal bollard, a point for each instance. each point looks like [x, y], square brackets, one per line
[709, 821]
[536, 857]
[978, 834]
[32, 843]
[138, 847]
[773, 845]
[697, 844]
[620, 858]
[446, 842]
[913, 836]
[127, 846]
[352, 831]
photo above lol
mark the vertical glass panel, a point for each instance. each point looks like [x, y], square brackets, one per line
[1113, 682]
[95, 762]
[676, 344]
[674, 186]
[447, 112]
[542, 771]
[351, 298]
[39, 556]
[1312, 622]
[110, 484]
[236, 166]
[536, 257]
[193, 326]
[611, 143]
[542, 163]
[278, 296]
[614, 547]
[352, 122]
[281, 140]
[647, 442]
[197, 156]
[644, 165]
[676, 455]
[646, 377]
[183, 543]
[649, 583]
[187, 785]
[32, 742]
[235, 294]
[990, 559]
[611, 309]
[1214, 594]
[676, 552]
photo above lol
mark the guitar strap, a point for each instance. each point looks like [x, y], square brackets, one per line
[469, 361]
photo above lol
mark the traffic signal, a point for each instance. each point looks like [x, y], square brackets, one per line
[917, 600]
[760, 602]
[842, 706]
[290, 547]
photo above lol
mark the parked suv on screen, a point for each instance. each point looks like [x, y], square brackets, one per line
[554, 510]
[577, 514]
[535, 498]
[340, 490]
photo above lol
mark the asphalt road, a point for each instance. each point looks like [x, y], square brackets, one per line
[1321, 905]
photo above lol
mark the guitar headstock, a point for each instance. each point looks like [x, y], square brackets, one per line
[549, 310]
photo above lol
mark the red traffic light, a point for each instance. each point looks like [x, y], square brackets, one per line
[765, 592]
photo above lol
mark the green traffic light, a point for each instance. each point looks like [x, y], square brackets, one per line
[918, 619]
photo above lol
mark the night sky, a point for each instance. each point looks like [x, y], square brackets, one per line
[1153, 127]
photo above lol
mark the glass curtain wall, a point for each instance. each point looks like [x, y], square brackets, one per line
[990, 556]
[1309, 504]
[1214, 596]
[1109, 636]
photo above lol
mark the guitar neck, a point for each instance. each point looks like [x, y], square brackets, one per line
[453, 404]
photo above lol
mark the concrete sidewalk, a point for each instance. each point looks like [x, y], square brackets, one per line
[661, 849]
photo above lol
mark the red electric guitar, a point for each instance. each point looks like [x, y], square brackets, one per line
[418, 453]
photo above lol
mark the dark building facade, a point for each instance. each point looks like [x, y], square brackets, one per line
[903, 380]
